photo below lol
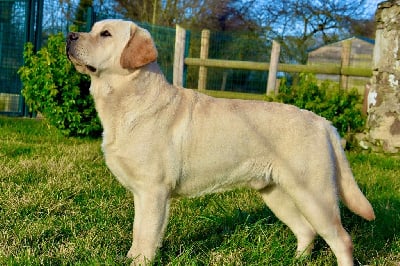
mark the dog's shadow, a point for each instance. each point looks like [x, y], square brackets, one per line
[212, 221]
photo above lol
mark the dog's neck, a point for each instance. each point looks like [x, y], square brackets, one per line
[136, 92]
[124, 81]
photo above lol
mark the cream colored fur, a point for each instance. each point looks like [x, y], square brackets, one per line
[162, 141]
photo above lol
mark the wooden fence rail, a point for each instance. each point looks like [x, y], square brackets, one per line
[344, 70]
[290, 68]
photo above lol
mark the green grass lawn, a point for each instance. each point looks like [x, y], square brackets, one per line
[59, 205]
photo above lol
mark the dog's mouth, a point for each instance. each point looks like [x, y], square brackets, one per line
[78, 64]
[91, 68]
[81, 66]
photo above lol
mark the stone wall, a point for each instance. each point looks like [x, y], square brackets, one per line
[383, 125]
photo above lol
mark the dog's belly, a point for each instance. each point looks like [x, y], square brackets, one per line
[190, 178]
[205, 179]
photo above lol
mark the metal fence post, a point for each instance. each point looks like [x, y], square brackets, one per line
[33, 27]
[39, 23]
[187, 47]
[89, 18]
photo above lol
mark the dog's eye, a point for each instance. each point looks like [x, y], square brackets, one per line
[105, 33]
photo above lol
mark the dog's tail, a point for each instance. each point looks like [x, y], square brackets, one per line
[350, 193]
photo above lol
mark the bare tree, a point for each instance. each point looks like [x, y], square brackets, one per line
[221, 15]
[225, 15]
[140, 10]
[363, 27]
[306, 23]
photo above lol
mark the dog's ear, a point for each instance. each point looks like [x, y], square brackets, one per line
[140, 49]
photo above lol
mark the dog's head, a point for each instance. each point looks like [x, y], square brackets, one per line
[111, 45]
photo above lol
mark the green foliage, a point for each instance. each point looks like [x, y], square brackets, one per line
[54, 88]
[341, 107]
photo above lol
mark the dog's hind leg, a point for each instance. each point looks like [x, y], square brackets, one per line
[318, 204]
[282, 205]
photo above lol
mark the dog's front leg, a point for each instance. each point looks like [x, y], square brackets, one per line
[151, 216]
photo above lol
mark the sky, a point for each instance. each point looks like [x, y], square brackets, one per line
[373, 4]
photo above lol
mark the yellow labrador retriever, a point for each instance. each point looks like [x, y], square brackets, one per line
[162, 141]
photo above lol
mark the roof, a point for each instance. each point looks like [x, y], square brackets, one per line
[362, 38]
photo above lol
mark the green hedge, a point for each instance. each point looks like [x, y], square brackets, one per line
[341, 107]
[53, 87]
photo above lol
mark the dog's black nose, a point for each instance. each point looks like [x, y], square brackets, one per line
[72, 36]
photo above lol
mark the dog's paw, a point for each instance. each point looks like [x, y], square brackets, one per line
[137, 258]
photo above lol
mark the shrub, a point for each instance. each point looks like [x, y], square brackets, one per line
[341, 107]
[53, 87]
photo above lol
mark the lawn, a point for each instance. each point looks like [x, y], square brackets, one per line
[59, 205]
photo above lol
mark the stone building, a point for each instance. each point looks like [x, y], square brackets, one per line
[383, 126]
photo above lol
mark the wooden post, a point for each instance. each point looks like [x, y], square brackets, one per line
[345, 62]
[179, 56]
[205, 42]
[273, 67]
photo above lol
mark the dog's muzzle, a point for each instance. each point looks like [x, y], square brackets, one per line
[72, 39]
